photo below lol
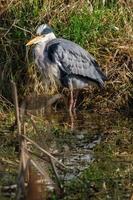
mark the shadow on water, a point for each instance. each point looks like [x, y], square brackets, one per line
[94, 136]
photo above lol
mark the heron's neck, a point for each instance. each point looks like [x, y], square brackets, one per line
[39, 47]
[50, 36]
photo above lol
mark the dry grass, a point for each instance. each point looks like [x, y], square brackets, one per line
[103, 28]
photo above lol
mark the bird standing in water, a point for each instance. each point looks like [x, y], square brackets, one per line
[65, 63]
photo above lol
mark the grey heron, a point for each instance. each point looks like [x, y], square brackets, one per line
[65, 63]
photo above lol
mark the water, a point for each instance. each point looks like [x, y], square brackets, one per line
[97, 152]
[101, 142]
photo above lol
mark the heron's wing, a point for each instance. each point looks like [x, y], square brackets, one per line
[73, 59]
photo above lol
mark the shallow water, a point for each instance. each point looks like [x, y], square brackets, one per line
[97, 152]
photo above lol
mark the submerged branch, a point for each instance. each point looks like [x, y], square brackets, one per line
[44, 151]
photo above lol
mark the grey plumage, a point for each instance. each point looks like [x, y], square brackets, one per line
[74, 61]
[64, 62]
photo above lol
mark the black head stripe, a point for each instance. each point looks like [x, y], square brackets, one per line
[43, 29]
[46, 31]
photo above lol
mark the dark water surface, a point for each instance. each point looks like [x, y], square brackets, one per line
[98, 153]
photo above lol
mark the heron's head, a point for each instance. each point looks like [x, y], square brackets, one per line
[43, 33]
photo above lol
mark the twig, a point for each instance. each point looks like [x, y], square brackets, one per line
[21, 181]
[24, 158]
[23, 168]
[23, 29]
[15, 99]
[38, 156]
[24, 151]
[9, 162]
[42, 158]
[9, 29]
[56, 174]
[44, 151]
[38, 168]
[5, 99]
[33, 124]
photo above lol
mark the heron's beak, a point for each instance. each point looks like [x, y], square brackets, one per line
[34, 40]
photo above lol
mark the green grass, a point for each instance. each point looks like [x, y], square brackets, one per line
[85, 28]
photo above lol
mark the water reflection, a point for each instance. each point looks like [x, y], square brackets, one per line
[35, 189]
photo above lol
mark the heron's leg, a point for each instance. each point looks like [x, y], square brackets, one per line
[75, 99]
[71, 109]
[71, 96]
[71, 120]
[71, 105]
[71, 101]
